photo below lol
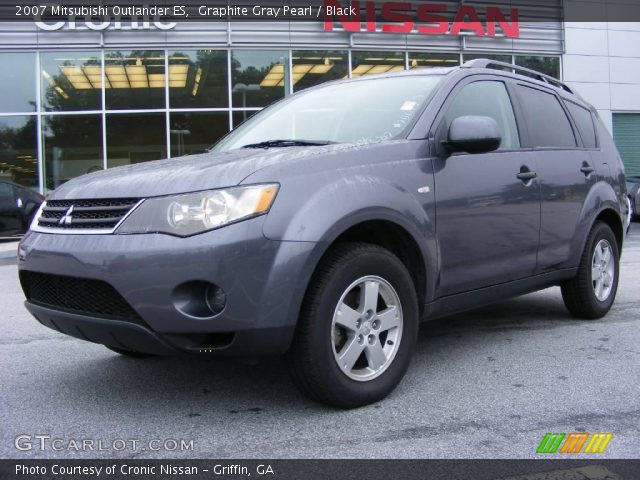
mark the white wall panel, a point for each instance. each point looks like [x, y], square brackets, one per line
[586, 41]
[607, 119]
[630, 26]
[586, 67]
[597, 94]
[602, 62]
[625, 97]
[624, 43]
[625, 70]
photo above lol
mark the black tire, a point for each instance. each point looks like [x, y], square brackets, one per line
[311, 360]
[130, 353]
[578, 293]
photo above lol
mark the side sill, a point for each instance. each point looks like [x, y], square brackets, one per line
[461, 302]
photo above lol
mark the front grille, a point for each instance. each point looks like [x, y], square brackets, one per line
[99, 214]
[77, 295]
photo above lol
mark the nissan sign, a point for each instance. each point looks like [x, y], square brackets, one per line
[423, 18]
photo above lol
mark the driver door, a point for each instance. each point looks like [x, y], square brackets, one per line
[487, 211]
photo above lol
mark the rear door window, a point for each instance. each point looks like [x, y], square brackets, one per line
[584, 122]
[549, 126]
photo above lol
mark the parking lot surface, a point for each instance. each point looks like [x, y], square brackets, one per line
[484, 384]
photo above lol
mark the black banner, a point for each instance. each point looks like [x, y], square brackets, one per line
[323, 469]
[98, 12]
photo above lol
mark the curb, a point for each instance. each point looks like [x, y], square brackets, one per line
[8, 250]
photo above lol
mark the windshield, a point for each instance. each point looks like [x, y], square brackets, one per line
[366, 111]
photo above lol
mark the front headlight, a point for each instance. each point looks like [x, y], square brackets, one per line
[197, 212]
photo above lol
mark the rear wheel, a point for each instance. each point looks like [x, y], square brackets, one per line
[592, 292]
[357, 328]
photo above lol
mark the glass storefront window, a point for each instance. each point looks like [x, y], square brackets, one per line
[196, 132]
[18, 76]
[313, 67]
[548, 65]
[198, 79]
[18, 152]
[135, 138]
[258, 77]
[431, 60]
[71, 81]
[240, 117]
[136, 82]
[370, 63]
[135, 79]
[72, 146]
[489, 56]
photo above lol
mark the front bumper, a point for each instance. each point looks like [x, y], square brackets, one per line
[130, 336]
[264, 282]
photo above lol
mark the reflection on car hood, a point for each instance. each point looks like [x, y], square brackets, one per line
[184, 174]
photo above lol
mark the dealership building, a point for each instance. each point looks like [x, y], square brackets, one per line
[75, 98]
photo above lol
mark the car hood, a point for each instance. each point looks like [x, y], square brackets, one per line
[184, 174]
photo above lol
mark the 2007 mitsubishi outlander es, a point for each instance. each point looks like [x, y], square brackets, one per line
[327, 226]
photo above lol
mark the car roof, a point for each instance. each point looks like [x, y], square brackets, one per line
[476, 66]
[487, 66]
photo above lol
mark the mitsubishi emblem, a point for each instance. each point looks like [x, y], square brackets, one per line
[66, 218]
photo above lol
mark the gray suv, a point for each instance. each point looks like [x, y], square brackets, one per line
[326, 227]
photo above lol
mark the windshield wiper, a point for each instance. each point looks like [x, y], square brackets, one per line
[287, 143]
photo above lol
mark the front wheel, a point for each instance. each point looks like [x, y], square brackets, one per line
[357, 329]
[591, 293]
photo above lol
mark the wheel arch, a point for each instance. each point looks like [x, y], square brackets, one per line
[612, 219]
[404, 241]
[396, 239]
[601, 204]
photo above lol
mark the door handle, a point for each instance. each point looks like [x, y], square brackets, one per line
[587, 169]
[526, 176]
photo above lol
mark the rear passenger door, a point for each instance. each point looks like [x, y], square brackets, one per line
[487, 204]
[565, 171]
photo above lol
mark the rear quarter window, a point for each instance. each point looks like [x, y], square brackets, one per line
[584, 122]
[548, 124]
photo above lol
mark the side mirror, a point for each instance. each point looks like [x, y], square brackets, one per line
[473, 134]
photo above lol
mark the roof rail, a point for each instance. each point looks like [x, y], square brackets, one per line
[485, 63]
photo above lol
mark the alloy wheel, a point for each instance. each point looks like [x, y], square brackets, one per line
[367, 328]
[602, 270]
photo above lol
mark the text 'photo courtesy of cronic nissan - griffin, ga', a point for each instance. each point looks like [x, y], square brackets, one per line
[329, 225]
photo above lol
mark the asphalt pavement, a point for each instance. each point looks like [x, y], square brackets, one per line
[484, 384]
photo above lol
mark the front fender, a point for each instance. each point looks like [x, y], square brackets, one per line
[321, 215]
[324, 214]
